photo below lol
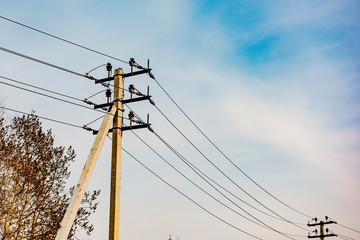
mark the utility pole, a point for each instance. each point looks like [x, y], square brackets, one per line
[114, 220]
[322, 232]
[114, 115]
[117, 130]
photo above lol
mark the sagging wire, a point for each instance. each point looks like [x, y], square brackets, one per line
[95, 94]
[96, 68]
[344, 237]
[225, 175]
[193, 201]
[94, 120]
[352, 229]
[262, 224]
[41, 117]
[62, 39]
[198, 172]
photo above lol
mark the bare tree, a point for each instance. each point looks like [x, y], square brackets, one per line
[33, 174]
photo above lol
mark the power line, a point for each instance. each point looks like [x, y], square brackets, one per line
[198, 171]
[160, 87]
[212, 143]
[348, 228]
[193, 201]
[45, 95]
[187, 163]
[95, 51]
[352, 229]
[344, 237]
[41, 117]
[54, 66]
[203, 208]
[62, 39]
[40, 88]
[55, 98]
[224, 174]
[43, 62]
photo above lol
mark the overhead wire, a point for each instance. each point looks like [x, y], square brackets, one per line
[232, 162]
[94, 120]
[41, 117]
[96, 68]
[190, 199]
[172, 101]
[344, 237]
[207, 193]
[55, 98]
[40, 88]
[93, 95]
[342, 225]
[62, 39]
[43, 62]
[203, 208]
[100, 53]
[224, 174]
[203, 176]
[46, 95]
[197, 171]
[348, 228]
[197, 204]
[86, 75]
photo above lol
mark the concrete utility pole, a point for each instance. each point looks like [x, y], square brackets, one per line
[114, 225]
[115, 115]
[322, 232]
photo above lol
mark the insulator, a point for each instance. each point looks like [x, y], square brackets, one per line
[87, 128]
[150, 129]
[131, 88]
[151, 101]
[108, 67]
[132, 62]
[131, 115]
[108, 93]
[88, 102]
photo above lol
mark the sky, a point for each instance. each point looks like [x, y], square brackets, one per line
[274, 84]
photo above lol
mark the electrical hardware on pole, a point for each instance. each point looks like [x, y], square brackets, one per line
[117, 129]
[322, 234]
[114, 114]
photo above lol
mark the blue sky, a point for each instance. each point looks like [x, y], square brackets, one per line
[274, 83]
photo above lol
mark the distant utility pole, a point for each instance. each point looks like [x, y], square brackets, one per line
[114, 115]
[322, 233]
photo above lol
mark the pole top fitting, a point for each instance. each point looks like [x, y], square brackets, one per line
[108, 67]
